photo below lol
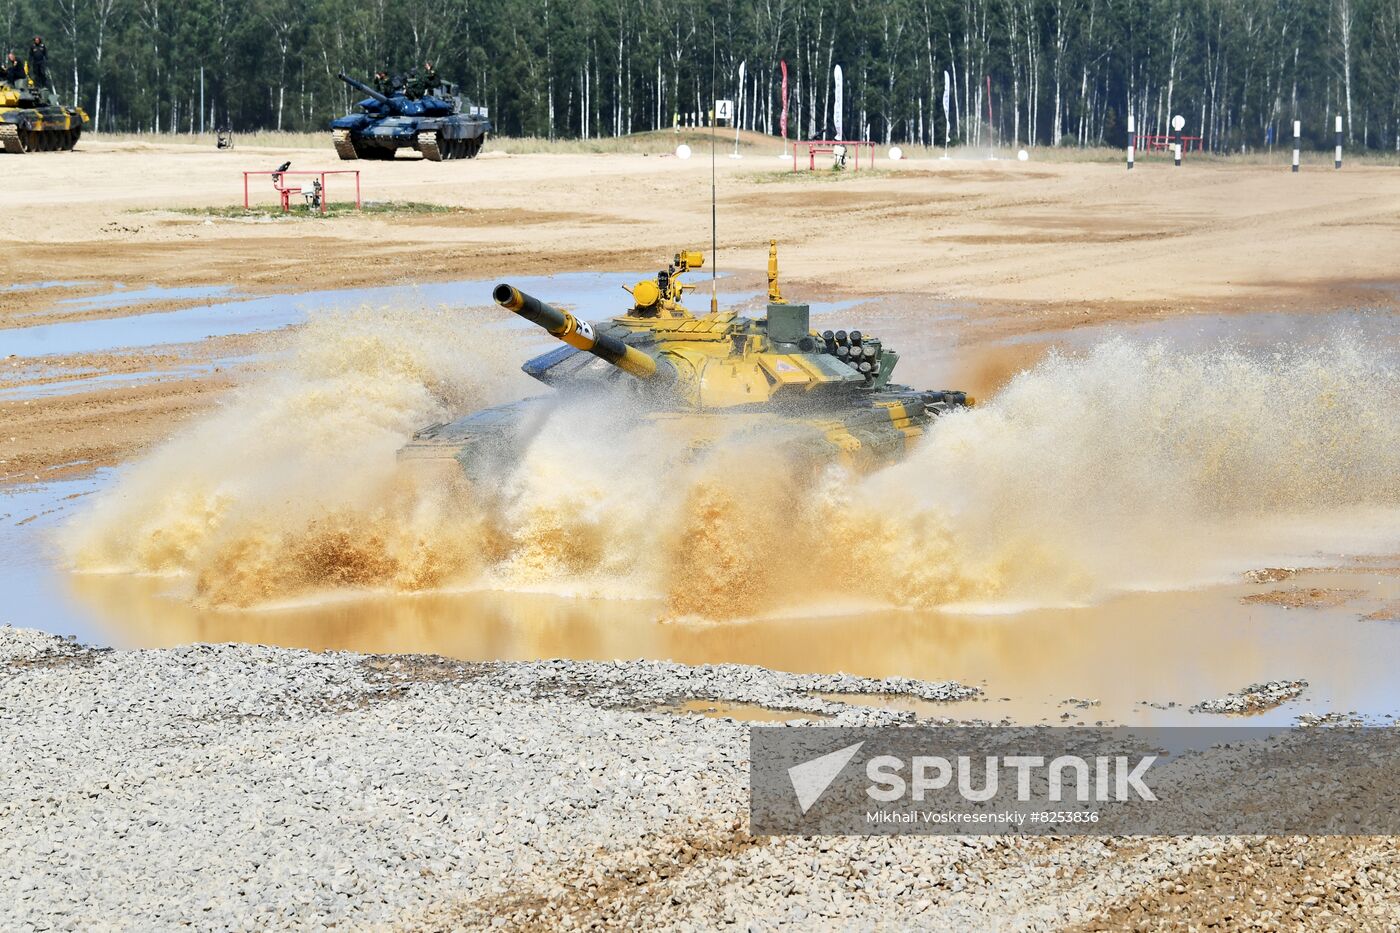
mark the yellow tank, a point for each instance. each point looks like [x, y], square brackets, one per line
[33, 120]
[711, 369]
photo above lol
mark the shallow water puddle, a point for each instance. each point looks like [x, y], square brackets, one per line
[33, 388]
[1144, 657]
[591, 294]
[33, 592]
[743, 712]
[125, 297]
[923, 709]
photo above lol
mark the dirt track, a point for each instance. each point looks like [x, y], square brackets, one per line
[998, 232]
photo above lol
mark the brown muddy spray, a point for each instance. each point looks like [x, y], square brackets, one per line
[1129, 466]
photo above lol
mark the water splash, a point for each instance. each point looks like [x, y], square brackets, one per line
[291, 484]
[1129, 466]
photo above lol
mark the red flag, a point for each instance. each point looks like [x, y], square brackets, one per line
[782, 122]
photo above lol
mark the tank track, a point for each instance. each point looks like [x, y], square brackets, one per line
[344, 146]
[428, 145]
[9, 138]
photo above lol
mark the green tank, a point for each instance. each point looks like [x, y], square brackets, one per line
[33, 120]
[830, 394]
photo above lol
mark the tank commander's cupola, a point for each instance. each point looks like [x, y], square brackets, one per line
[789, 325]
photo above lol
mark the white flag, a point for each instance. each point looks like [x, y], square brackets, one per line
[739, 116]
[945, 94]
[836, 112]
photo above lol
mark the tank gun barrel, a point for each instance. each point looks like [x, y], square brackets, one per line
[361, 86]
[580, 334]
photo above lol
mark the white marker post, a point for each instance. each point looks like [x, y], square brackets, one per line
[1176, 154]
[1337, 159]
[1297, 137]
[1132, 128]
[1178, 124]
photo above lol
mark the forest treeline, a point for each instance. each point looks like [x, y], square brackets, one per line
[1030, 72]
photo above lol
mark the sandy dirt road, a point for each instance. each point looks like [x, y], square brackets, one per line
[1028, 233]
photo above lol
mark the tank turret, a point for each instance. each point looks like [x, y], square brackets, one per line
[715, 360]
[826, 393]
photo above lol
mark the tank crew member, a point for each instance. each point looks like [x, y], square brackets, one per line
[382, 84]
[413, 87]
[38, 63]
[14, 69]
[431, 81]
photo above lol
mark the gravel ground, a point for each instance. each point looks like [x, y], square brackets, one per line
[1256, 698]
[237, 787]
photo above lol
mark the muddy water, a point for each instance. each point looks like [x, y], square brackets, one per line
[591, 293]
[1082, 536]
[1145, 657]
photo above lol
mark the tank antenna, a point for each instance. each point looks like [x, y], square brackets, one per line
[714, 210]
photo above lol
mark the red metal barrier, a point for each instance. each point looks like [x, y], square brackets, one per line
[286, 191]
[815, 146]
[1162, 142]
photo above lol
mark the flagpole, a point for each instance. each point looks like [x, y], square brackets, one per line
[714, 210]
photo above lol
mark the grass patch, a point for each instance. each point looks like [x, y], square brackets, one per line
[333, 209]
[804, 176]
